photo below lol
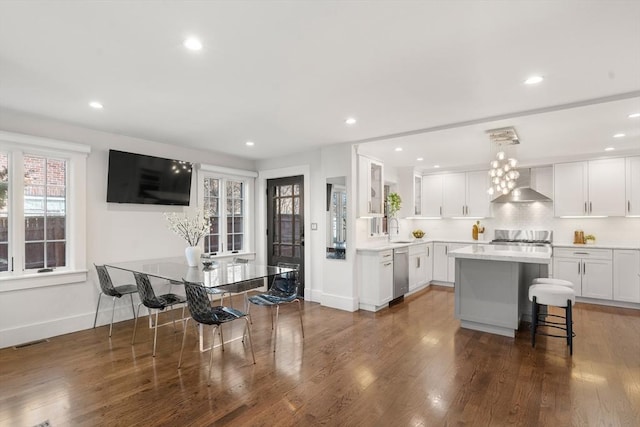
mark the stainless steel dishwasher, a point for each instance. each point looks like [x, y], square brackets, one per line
[400, 272]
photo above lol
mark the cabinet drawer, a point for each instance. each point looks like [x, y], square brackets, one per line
[418, 249]
[385, 256]
[583, 253]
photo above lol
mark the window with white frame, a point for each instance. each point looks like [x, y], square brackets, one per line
[42, 208]
[224, 199]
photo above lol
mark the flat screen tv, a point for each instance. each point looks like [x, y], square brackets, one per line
[136, 178]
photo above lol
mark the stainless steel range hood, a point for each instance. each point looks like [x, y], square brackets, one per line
[522, 192]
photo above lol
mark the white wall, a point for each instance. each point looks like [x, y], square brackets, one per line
[114, 233]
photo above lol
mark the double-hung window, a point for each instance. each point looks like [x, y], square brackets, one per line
[42, 210]
[225, 198]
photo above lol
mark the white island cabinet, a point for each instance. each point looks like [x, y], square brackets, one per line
[492, 282]
[376, 279]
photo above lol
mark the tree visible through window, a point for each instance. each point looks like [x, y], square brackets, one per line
[4, 212]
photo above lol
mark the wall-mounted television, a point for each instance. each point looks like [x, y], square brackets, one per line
[136, 178]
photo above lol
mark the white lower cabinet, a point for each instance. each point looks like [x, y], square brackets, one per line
[376, 279]
[626, 275]
[590, 270]
[417, 266]
[444, 267]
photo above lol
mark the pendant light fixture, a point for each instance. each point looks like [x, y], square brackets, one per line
[503, 172]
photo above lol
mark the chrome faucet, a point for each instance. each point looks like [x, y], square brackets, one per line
[397, 227]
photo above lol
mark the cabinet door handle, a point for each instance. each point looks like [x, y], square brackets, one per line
[584, 268]
[629, 206]
[418, 262]
[387, 264]
[446, 250]
[578, 269]
[428, 251]
[585, 207]
[590, 207]
[440, 210]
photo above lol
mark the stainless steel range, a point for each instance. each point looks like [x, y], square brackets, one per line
[523, 238]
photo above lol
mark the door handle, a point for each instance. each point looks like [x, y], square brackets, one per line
[440, 210]
[629, 206]
[585, 207]
[418, 262]
[578, 268]
[584, 268]
[590, 207]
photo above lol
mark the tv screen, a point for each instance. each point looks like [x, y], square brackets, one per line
[135, 178]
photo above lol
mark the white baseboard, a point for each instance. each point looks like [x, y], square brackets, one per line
[339, 302]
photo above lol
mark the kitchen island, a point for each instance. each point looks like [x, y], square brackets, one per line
[491, 285]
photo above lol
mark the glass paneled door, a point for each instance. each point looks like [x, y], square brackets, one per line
[285, 219]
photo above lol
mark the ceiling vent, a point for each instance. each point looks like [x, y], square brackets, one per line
[504, 136]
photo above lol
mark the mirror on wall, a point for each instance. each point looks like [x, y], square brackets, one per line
[336, 217]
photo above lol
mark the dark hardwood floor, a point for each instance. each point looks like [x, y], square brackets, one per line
[409, 365]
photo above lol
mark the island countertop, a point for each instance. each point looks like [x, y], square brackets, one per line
[524, 254]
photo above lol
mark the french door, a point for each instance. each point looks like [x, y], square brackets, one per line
[285, 219]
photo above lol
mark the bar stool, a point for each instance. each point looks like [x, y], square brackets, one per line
[550, 281]
[556, 296]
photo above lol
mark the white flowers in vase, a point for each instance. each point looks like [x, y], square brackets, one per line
[190, 228]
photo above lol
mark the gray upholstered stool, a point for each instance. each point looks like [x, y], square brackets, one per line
[550, 281]
[556, 296]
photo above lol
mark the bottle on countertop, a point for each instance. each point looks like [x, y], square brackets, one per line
[474, 230]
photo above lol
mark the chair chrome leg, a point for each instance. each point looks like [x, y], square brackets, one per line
[213, 339]
[155, 334]
[300, 312]
[132, 310]
[97, 308]
[184, 338]
[253, 355]
[135, 325]
[221, 337]
[113, 310]
[275, 329]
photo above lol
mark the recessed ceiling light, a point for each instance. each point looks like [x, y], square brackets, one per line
[420, 159]
[97, 105]
[609, 149]
[533, 80]
[436, 166]
[634, 115]
[250, 143]
[193, 43]
[350, 121]
[619, 135]
[398, 148]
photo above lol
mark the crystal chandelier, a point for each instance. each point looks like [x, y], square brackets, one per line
[503, 172]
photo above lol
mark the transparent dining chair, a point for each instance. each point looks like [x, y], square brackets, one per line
[107, 288]
[284, 289]
[154, 304]
[204, 314]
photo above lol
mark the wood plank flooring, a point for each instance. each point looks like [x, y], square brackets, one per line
[409, 365]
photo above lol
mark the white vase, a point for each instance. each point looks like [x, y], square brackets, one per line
[192, 253]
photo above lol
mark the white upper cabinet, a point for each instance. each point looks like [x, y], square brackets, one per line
[410, 190]
[454, 195]
[478, 200]
[465, 194]
[593, 188]
[370, 187]
[432, 195]
[633, 186]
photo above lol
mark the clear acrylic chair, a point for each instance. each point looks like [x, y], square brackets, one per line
[107, 288]
[154, 304]
[204, 314]
[284, 290]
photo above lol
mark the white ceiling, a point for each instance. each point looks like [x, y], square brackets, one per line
[431, 76]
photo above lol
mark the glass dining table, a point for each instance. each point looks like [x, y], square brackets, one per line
[225, 276]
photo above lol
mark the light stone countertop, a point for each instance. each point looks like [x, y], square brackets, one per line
[378, 247]
[525, 254]
[598, 245]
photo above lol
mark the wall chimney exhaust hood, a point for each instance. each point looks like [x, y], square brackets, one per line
[522, 192]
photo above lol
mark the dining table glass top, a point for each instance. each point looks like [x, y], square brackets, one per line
[218, 274]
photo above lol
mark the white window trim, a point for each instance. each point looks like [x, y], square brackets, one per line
[248, 178]
[76, 156]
